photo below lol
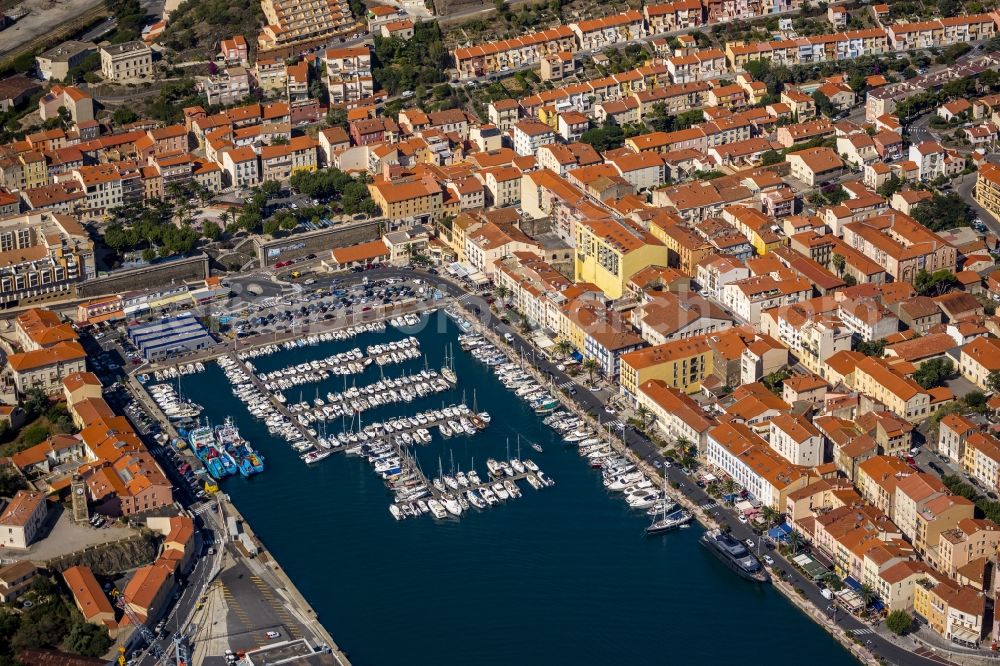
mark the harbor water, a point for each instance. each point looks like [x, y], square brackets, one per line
[562, 575]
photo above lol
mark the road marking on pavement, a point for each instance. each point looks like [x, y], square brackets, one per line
[237, 608]
[287, 620]
[862, 632]
[567, 384]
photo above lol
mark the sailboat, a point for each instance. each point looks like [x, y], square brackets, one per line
[664, 522]
[448, 371]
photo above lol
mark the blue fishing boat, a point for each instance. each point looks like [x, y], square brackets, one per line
[202, 441]
[232, 444]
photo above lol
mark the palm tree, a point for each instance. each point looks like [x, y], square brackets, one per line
[794, 541]
[565, 347]
[643, 413]
[590, 365]
[839, 262]
[729, 487]
[867, 594]
[770, 515]
[224, 218]
[502, 292]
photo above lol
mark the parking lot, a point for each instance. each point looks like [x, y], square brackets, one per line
[322, 304]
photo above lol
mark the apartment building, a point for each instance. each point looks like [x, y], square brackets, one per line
[228, 87]
[978, 359]
[291, 22]
[675, 414]
[282, 161]
[987, 192]
[125, 61]
[602, 32]
[681, 364]
[418, 197]
[609, 252]
[348, 74]
[43, 253]
[483, 59]
[750, 297]
[530, 135]
[235, 51]
[900, 244]
[22, 519]
[679, 15]
[941, 32]
[796, 439]
[903, 396]
[241, 166]
[54, 64]
[747, 459]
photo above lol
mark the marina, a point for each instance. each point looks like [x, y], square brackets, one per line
[330, 520]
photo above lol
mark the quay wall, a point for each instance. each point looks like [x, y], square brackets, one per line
[315, 242]
[155, 275]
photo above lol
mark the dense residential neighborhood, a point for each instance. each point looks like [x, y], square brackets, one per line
[760, 238]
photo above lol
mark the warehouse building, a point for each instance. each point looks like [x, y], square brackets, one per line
[171, 335]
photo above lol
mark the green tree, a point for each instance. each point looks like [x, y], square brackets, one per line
[875, 348]
[590, 365]
[607, 137]
[867, 594]
[565, 347]
[769, 157]
[643, 413]
[794, 541]
[36, 402]
[899, 622]
[149, 254]
[840, 263]
[211, 230]
[993, 381]
[944, 212]
[890, 187]
[88, 639]
[934, 372]
[936, 283]
[770, 515]
[124, 116]
[824, 105]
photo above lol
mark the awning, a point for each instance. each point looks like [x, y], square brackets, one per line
[577, 356]
[477, 278]
[851, 583]
[964, 636]
[780, 532]
[543, 342]
[457, 269]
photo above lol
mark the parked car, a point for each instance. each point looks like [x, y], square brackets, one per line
[273, 634]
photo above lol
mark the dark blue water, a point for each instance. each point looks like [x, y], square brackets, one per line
[562, 575]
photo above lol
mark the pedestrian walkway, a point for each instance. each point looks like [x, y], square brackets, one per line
[862, 632]
[616, 424]
[569, 383]
[200, 509]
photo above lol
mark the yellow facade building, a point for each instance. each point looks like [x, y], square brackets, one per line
[608, 253]
[680, 364]
[987, 191]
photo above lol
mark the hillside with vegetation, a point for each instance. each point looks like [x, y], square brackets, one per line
[197, 26]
